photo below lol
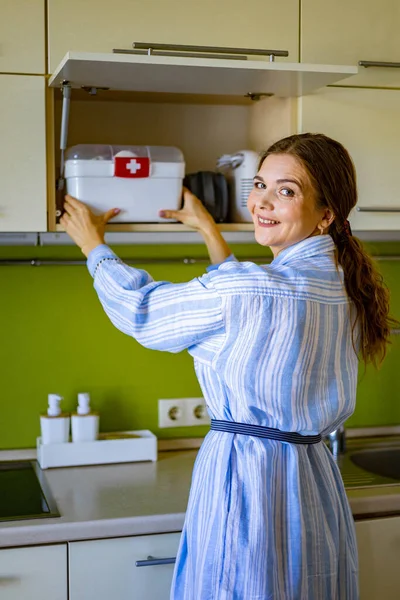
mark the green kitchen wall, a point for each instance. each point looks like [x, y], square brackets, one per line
[56, 338]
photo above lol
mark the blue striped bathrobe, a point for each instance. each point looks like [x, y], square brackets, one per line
[272, 346]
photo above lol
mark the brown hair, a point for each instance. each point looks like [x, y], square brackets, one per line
[333, 177]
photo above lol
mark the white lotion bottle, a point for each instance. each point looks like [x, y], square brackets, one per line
[55, 425]
[85, 423]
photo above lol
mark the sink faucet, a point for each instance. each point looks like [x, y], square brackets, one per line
[337, 441]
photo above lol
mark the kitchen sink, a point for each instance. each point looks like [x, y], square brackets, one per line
[384, 462]
[370, 463]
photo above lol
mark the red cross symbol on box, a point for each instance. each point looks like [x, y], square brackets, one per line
[127, 166]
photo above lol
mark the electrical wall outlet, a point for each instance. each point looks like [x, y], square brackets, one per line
[171, 413]
[196, 412]
[182, 412]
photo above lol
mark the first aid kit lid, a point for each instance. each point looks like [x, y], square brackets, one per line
[103, 160]
[106, 152]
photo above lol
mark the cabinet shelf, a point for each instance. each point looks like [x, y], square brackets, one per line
[169, 227]
[156, 234]
[203, 76]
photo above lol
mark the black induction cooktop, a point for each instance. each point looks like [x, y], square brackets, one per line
[24, 493]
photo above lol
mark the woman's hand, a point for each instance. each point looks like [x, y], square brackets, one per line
[193, 213]
[197, 216]
[85, 228]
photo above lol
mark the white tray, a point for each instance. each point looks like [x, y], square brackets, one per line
[116, 447]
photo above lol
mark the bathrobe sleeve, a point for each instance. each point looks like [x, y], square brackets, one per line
[158, 314]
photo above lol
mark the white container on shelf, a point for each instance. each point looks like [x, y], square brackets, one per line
[140, 180]
[119, 447]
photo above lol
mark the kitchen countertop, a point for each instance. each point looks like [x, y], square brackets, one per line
[138, 499]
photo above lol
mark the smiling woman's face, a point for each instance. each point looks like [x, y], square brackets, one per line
[283, 204]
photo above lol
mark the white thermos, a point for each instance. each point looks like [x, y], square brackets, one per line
[239, 169]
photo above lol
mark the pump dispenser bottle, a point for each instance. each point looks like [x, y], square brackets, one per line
[85, 424]
[55, 425]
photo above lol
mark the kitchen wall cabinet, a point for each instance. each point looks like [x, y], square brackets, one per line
[104, 569]
[90, 27]
[22, 36]
[203, 127]
[379, 558]
[34, 573]
[22, 154]
[367, 123]
[344, 32]
[202, 106]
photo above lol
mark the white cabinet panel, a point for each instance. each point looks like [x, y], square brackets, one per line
[23, 204]
[91, 26]
[35, 573]
[22, 37]
[105, 569]
[367, 123]
[379, 557]
[343, 32]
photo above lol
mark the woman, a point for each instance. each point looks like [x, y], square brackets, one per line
[276, 353]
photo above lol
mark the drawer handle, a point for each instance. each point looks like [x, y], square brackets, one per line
[378, 63]
[151, 561]
[375, 209]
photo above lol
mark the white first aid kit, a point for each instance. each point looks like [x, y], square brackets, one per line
[140, 180]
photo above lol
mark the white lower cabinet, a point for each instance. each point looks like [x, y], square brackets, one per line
[34, 573]
[379, 557]
[106, 569]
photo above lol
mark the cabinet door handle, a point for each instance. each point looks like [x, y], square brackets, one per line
[376, 209]
[151, 561]
[211, 49]
[379, 63]
[152, 52]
